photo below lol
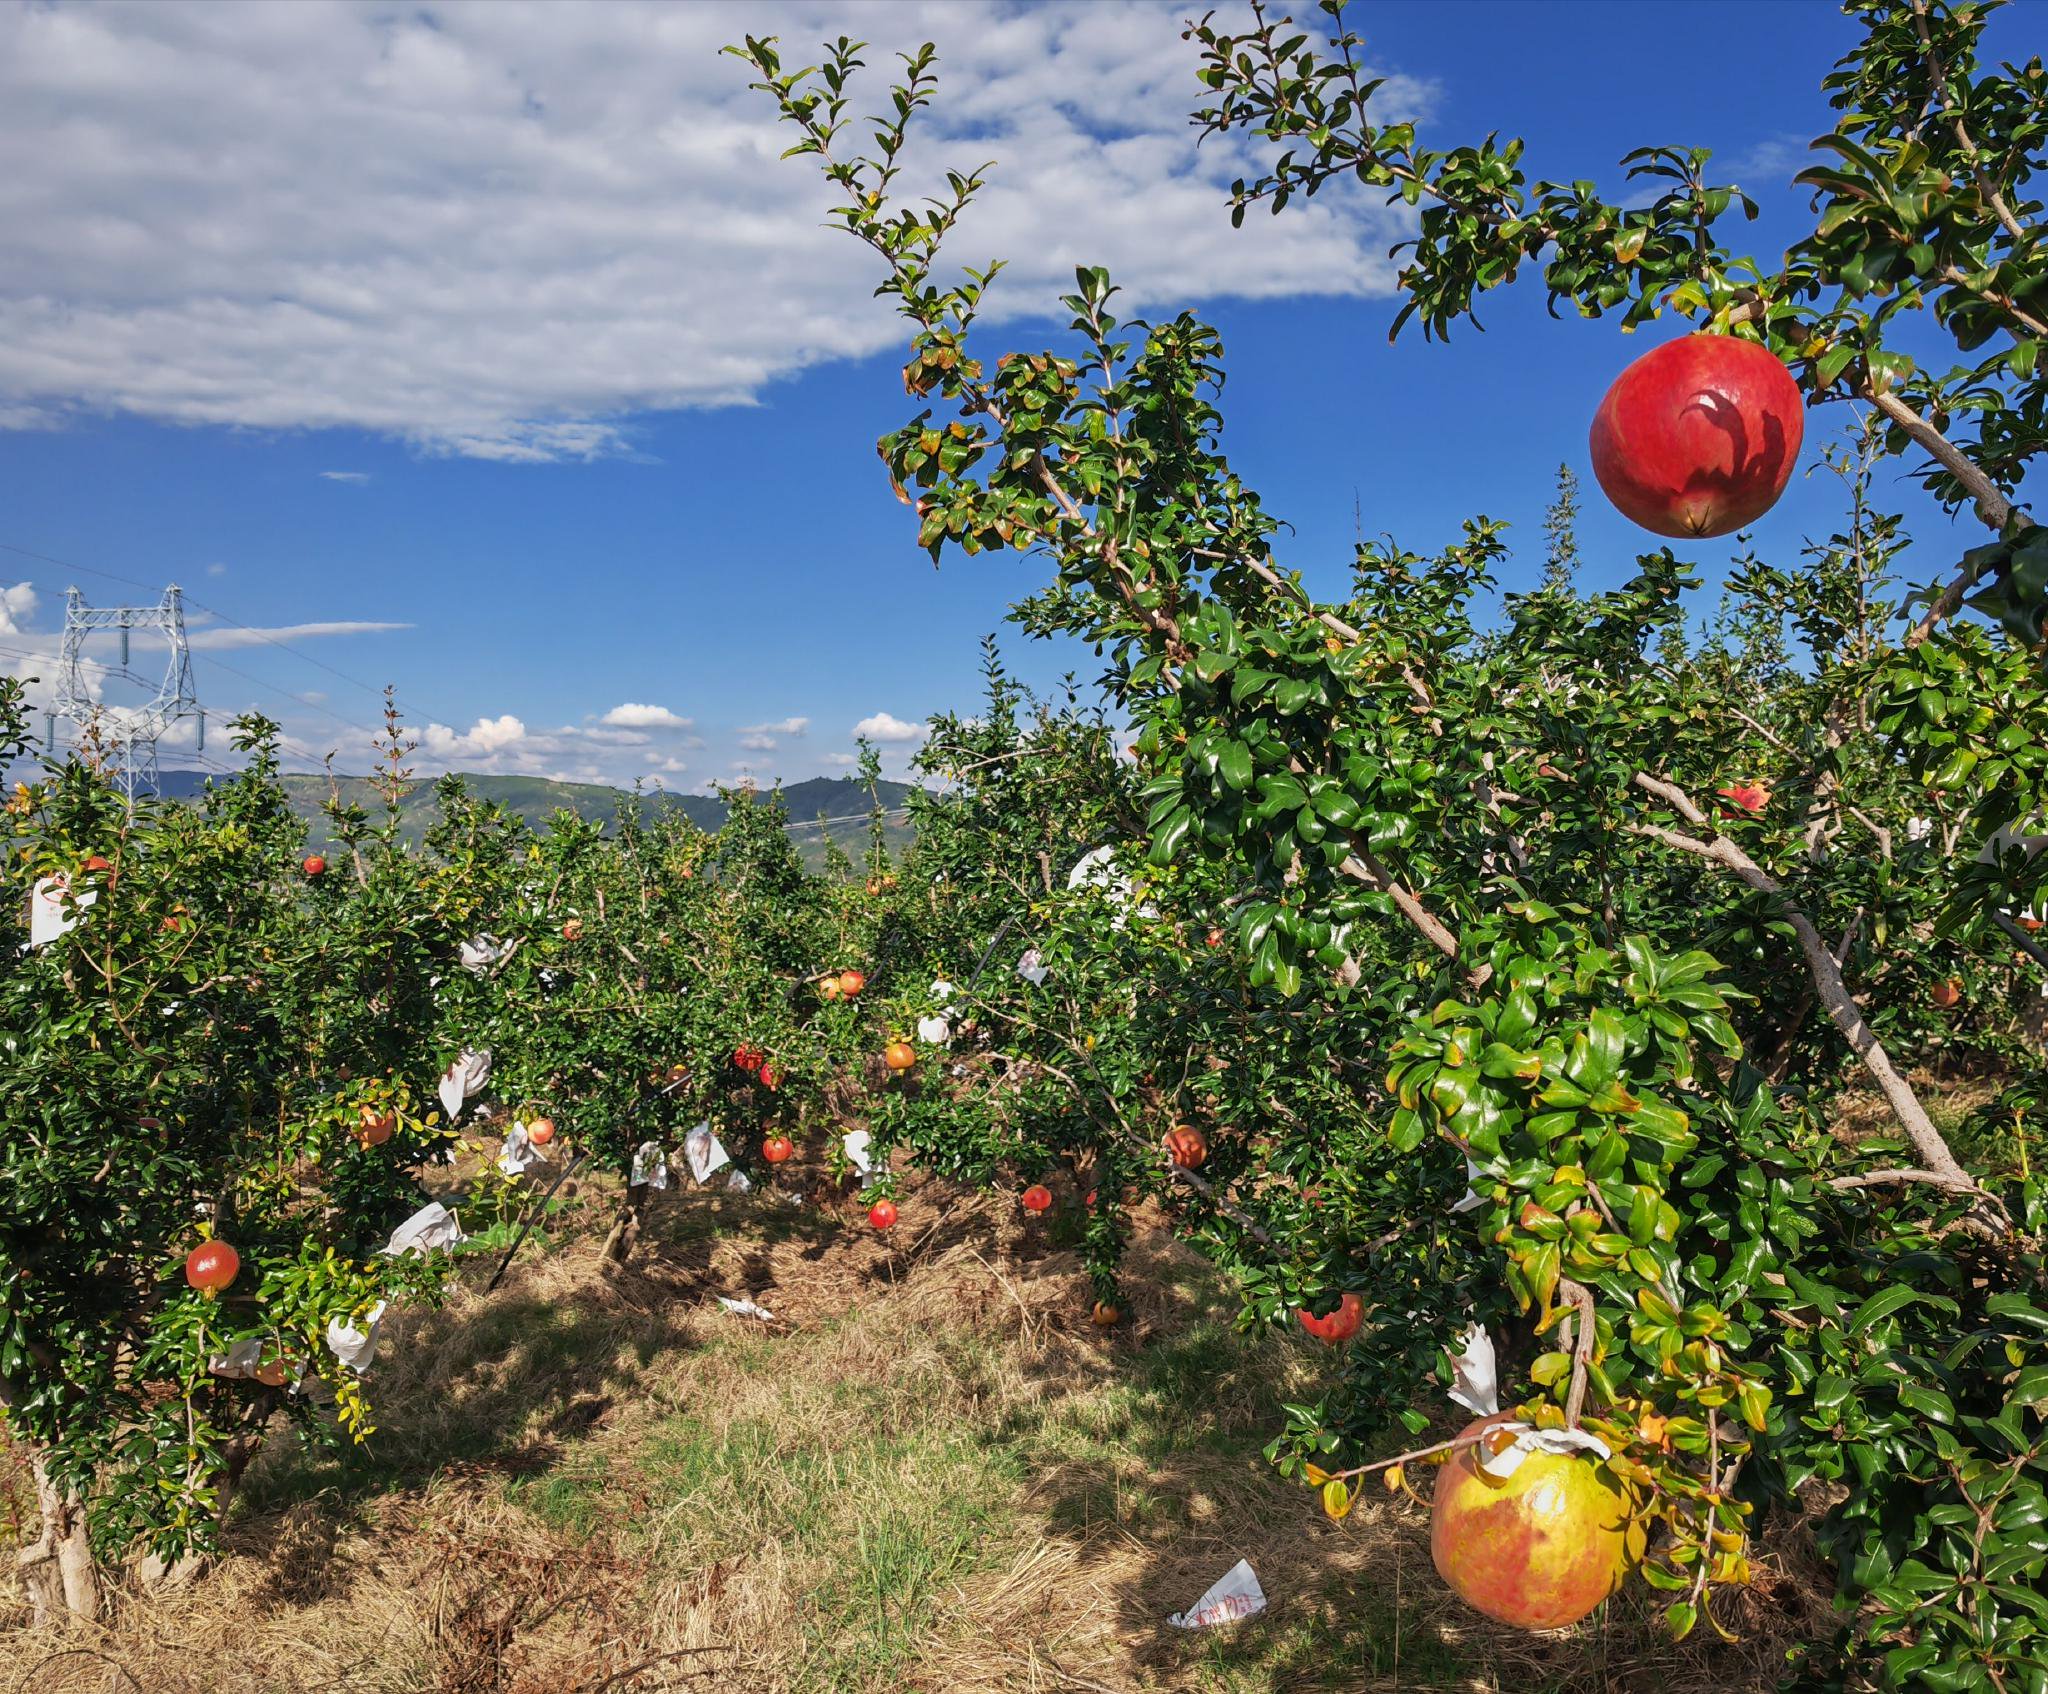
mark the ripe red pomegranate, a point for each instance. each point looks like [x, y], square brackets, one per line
[211, 1266]
[1698, 437]
[899, 1055]
[1105, 1315]
[314, 865]
[573, 930]
[1948, 993]
[1748, 798]
[882, 1214]
[771, 1077]
[375, 1127]
[1538, 1548]
[851, 983]
[1187, 1146]
[1037, 1198]
[747, 1057]
[1337, 1326]
[95, 864]
[777, 1149]
[541, 1131]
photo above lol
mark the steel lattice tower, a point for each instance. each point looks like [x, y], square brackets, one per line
[129, 733]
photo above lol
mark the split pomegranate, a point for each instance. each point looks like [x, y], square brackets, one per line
[1537, 1548]
[748, 1057]
[1698, 437]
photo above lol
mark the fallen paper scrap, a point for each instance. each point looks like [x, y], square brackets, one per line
[1236, 1594]
[1475, 1374]
[737, 1181]
[746, 1309]
[934, 1032]
[856, 1142]
[1472, 1197]
[432, 1226]
[1031, 967]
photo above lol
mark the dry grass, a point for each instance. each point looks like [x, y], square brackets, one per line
[931, 1474]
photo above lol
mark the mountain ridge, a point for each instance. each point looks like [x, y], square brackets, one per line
[817, 807]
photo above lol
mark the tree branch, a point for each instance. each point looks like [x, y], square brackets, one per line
[1927, 1141]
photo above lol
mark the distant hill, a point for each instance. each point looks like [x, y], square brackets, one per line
[841, 802]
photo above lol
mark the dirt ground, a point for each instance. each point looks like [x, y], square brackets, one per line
[930, 1472]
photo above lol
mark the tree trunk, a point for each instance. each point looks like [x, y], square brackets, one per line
[618, 1246]
[155, 1572]
[57, 1568]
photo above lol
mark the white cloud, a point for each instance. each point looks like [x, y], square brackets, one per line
[613, 737]
[227, 637]
[17, 606]
[838, 759]
[216, 569]
[534, 220]
[668, 766]
[484, 739]
[781, 726]
[755, 742]
[630, 716]
[885, 726]
[346, 476]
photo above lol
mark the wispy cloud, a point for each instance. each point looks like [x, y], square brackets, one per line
[1767, 163]
[346, 476]
[224, 638]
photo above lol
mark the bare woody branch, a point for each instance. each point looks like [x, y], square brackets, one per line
[1938, 1162]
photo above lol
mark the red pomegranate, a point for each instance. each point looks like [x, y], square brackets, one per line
[882, 1214]
[777, 1149]
[1698, 437]
[1037, 1198]
[1187, 1147]
[1338, 1326]
[314, 865]
[211, 1266]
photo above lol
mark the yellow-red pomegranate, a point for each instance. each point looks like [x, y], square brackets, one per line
[1538, 1548]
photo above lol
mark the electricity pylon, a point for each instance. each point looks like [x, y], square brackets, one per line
[128, 734]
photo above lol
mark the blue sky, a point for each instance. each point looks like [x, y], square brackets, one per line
[503, 326]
